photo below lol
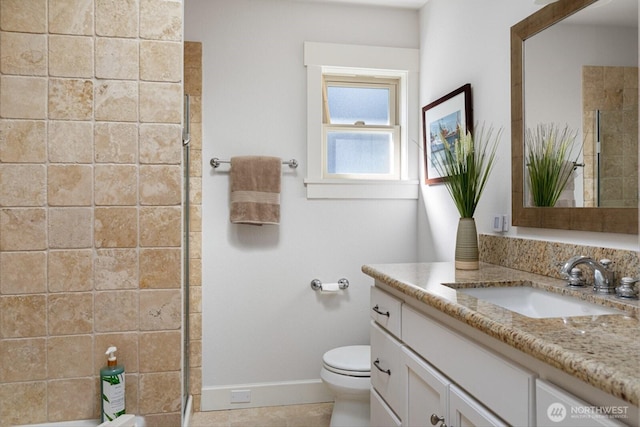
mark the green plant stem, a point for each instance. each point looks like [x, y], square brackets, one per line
[467, 165]
[548, 164]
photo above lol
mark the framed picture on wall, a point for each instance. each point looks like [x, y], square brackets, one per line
[444, 118]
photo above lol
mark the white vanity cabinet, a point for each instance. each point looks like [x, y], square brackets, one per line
[492, 384]
[427, 391]
[556, 407]
[381, 414]
[419, 369]
[432, 399]
[452, 373]
[465, 411]
[387, 388]
[386, 363]
[386, 311]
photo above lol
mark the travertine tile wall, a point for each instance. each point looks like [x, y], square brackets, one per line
[193, 87]
[613, 91]
[90, 205]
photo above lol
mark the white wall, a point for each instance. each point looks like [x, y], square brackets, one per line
[553, 66]
[467, 41]
[262, 323]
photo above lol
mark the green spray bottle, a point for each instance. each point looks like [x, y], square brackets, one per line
[112, 387]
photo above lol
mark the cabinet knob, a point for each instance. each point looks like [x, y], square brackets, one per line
[436, 419]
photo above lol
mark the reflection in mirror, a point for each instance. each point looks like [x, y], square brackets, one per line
[602, 219]
[582, 73]
[552, 156]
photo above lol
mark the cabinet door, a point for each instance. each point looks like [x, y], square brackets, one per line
[499, 384]
[386, 311]
[465, 411]
[426, 392]
[381, 414]
[386, 377]
[557, 407]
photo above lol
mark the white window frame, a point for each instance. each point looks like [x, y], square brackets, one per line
[396, 63]
[392, 128]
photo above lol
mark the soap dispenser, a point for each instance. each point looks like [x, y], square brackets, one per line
[112, 387]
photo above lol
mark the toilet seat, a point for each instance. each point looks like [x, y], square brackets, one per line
[354, 360]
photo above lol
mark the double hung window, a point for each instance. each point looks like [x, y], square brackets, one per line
[359, 103]
[361, 135]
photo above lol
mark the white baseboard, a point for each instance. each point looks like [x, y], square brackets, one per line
[266, 394]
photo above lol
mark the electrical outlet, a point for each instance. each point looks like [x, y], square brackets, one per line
[496, 224]
[240, 396]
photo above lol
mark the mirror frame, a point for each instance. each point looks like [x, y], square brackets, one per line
[610, 220]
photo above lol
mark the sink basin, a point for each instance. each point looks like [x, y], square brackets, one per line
[538, 303]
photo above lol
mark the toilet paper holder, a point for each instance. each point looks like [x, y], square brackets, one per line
[316, 284]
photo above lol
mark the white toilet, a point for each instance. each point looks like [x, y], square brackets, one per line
[347, 373]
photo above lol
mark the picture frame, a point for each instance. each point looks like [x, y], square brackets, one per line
[444, 115]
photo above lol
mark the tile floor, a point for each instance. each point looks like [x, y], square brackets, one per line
[311, 415]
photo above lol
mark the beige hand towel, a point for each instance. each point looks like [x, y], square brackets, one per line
[255, 190]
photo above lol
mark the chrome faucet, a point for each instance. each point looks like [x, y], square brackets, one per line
[603, 277]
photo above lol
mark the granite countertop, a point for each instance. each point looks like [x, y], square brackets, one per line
[603, 351]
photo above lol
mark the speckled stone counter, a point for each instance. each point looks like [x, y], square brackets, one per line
[603, 351]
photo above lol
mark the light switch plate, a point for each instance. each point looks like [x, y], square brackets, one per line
[506, 222]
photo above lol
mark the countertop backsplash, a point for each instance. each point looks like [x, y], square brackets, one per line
[546, 258]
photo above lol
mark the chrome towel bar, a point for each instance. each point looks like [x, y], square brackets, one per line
[215, 162]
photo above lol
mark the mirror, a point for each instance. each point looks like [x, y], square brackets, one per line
[527, 34]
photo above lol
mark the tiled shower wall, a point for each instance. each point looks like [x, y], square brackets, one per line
[193, 87]
[90, 205]
[613, 91]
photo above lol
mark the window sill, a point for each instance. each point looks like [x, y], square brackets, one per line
[365, 189]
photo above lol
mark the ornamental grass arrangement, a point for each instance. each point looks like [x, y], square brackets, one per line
[551, 159]
[465, 166]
